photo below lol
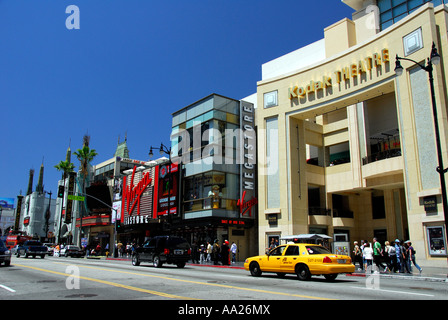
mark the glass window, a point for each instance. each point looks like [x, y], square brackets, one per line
[317, 250]
[271, 99]
[272, 160]
[211, 190]
[277, 251]
[292, 251]
[392, 11]
[384, 5]
[436, 241]
[398, 2]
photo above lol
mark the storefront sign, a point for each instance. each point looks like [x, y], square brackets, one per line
[249, 159]
[430, 203]
[132, 194]
[165, 189]
[137, 220]
[352, 71]
[246, 206]
[233, 222]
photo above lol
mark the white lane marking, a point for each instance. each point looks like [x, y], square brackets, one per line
[7, 288]
[394, 291]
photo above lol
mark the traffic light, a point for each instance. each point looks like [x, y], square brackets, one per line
[61, 192]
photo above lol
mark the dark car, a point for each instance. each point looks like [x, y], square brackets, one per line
[5, 254]
[163, 249]
[72, 251]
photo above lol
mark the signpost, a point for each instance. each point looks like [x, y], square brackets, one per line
[75, 198]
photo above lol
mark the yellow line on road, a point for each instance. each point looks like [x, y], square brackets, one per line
[203, 283]
[118, 285]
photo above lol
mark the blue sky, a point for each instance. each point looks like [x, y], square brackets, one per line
[131, 65]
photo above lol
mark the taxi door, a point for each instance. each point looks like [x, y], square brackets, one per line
[290, 259]
[273, 260]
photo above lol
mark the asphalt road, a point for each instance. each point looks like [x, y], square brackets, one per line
[58, 278]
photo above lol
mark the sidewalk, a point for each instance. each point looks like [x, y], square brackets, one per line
[429, 273]
[436, 274]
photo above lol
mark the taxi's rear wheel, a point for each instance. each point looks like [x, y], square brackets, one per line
[330, 277]
[255, 270]
[303, 273]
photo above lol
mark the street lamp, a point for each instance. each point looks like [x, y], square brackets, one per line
[433, 60]
[163, 150]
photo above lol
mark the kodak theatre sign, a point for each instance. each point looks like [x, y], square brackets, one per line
[345, 74]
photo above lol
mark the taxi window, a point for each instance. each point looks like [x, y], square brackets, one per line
[277, 251]
[317, 250]
[292, 251]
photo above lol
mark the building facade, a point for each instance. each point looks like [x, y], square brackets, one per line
[345, 147]
[214, 143]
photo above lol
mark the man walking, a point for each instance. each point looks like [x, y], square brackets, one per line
[377, 255]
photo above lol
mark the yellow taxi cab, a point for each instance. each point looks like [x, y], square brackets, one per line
[303, 259]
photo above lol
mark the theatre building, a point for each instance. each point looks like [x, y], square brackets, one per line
[348, 148]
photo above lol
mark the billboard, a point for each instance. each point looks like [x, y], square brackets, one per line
[137, 197]
[166, 186]
[7, 203]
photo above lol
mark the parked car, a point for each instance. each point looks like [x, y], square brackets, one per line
[72, 251]
[163, 249]
[32, 248]
[5, 254]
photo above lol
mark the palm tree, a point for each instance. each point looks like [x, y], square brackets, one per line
[65, 167]
[85, 155]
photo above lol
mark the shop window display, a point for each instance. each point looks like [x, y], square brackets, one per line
[210, 191]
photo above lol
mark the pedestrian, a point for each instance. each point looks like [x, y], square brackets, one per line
[357, 255]
[209, 252]
[120, 249]
[194, 254]
[377, 255]
[272, 246]
[405, 258]
[128, 250]
[215, 252]
[391, 256]
[202, 254]
[233, 249]
[364, 263]
[398, 256]
[225, 253]
[98, 250]
[412, 252]
[368, 256]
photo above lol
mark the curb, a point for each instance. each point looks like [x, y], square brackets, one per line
[401, 277]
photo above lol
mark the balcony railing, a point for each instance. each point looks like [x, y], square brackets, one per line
[381, 156]
[317, 211]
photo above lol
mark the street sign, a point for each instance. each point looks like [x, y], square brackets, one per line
[75, 198]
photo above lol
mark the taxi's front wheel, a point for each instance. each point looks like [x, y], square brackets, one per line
[255, 270]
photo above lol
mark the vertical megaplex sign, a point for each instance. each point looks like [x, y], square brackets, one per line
[248, 154]
[18, 211]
